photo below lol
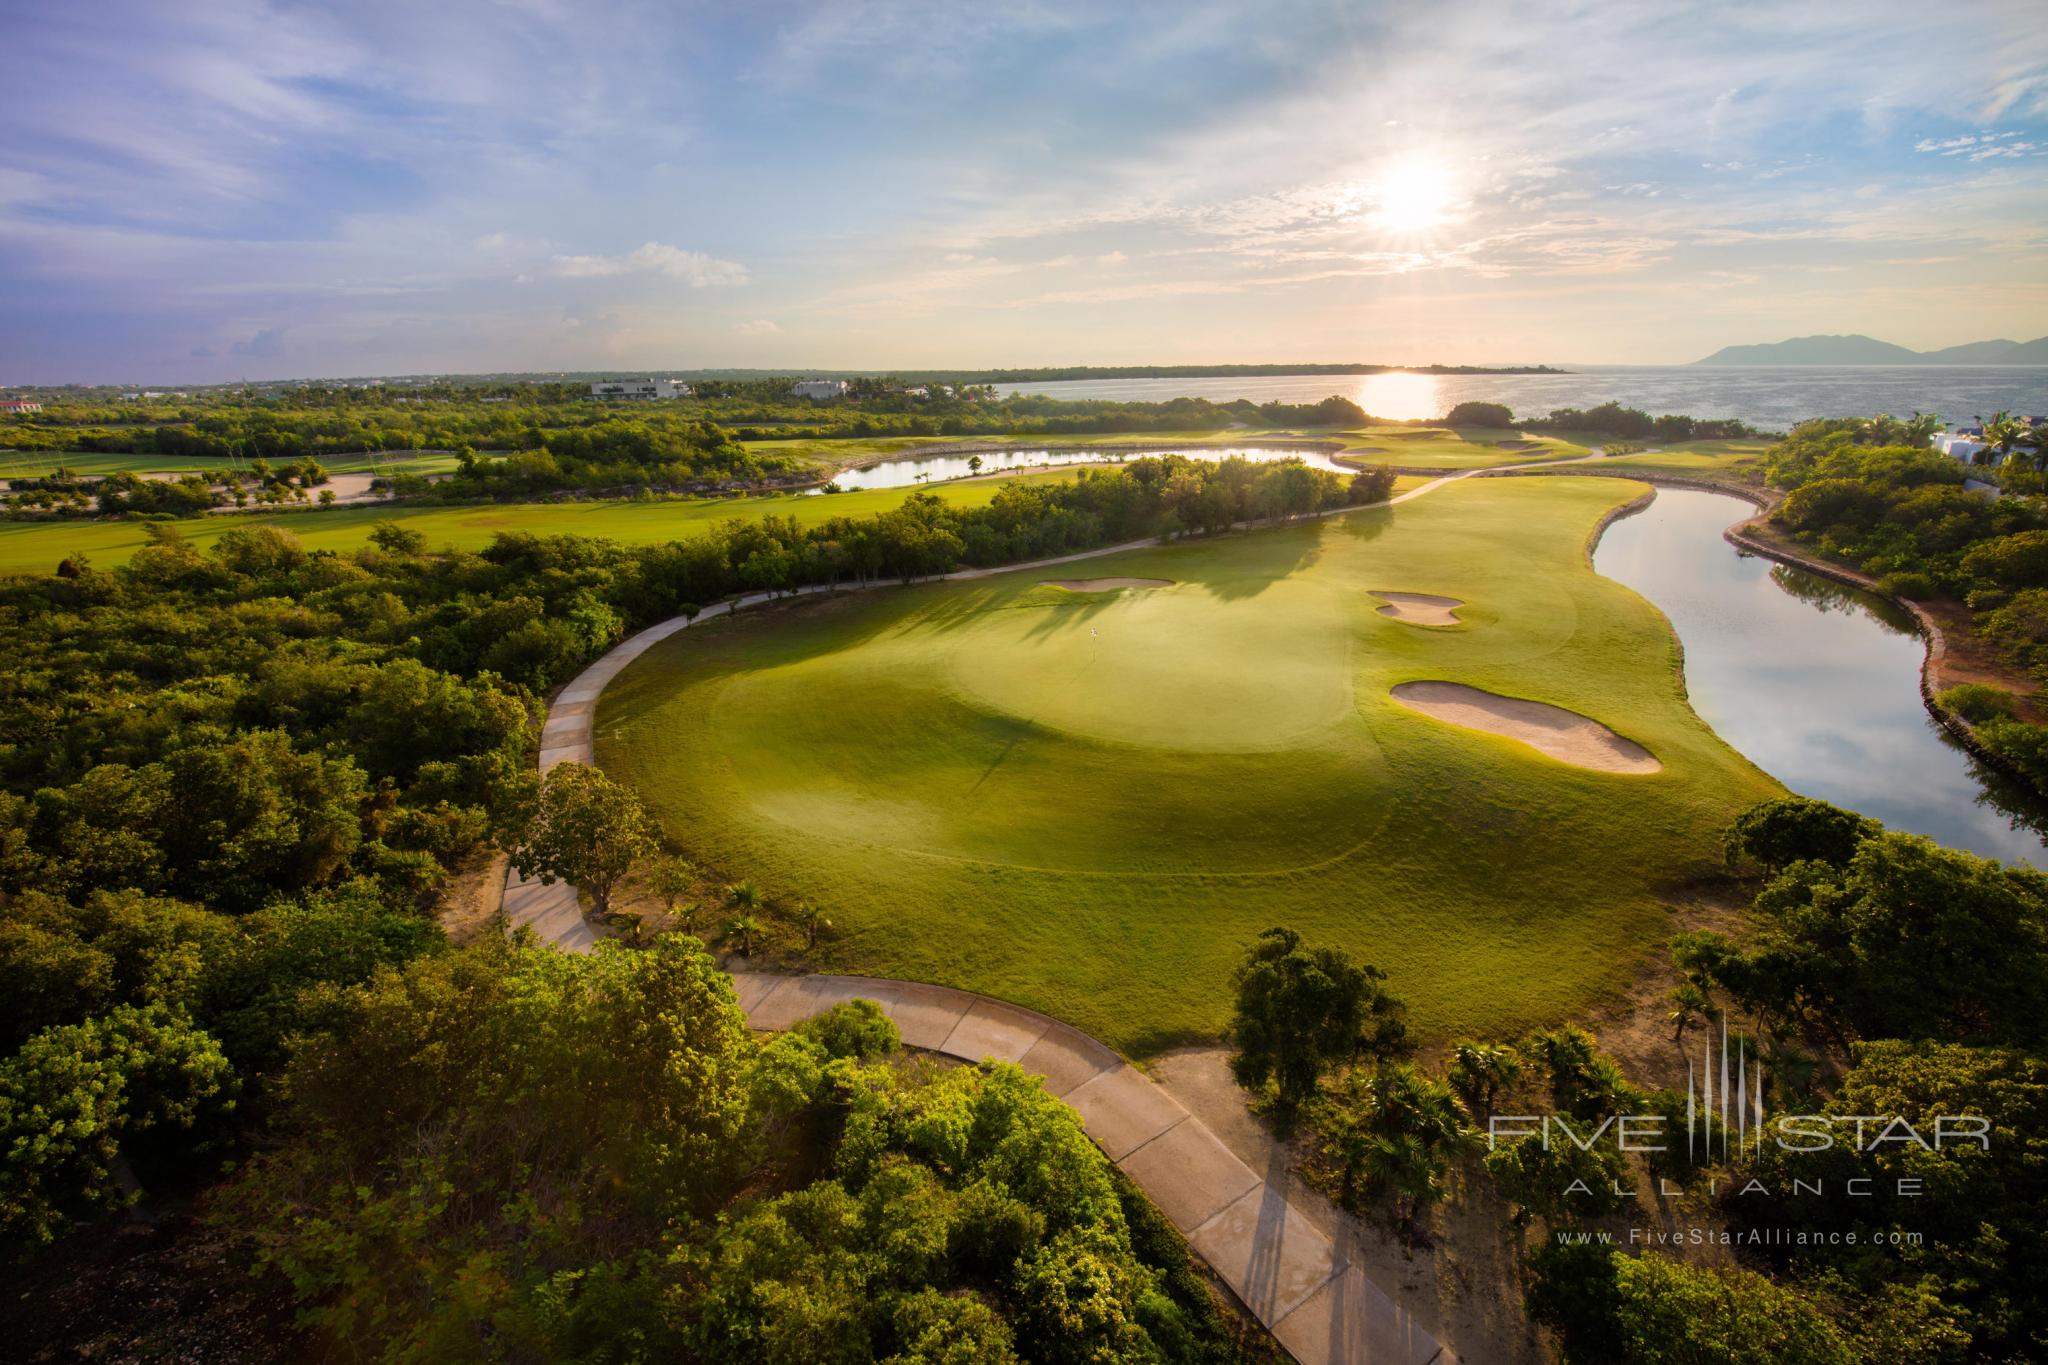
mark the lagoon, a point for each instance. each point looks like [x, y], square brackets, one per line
[1815, 683]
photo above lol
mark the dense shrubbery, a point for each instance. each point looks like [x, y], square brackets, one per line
[1882, 976]
[517, 1153]
[1902, 515]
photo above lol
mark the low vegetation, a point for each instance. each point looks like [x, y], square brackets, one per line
[1885, 977]
[594, 1156]
[1901, 514]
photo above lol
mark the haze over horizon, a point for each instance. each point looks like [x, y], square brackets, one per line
[194, 193]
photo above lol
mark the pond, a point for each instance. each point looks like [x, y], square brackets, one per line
[1815, 683]
[937, 468]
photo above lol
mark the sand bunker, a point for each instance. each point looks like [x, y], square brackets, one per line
[1420, 608]
[1105, 584]
[1564, 735]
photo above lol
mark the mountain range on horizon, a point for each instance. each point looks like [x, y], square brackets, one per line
[1856, 349]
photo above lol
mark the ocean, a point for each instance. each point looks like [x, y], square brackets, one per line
[1772, 398]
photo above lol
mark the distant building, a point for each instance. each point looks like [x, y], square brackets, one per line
[819, 388]
[611, 390]
[19, 405]
[1963, 443]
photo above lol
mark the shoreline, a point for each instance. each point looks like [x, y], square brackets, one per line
[1748, 536]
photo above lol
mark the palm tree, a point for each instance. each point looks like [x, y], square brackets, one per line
[743, 896]
[1479, 1072]
[743, 928]
[812, 921]
[1689, 1002]
[2002, 433]
[1411, 1127]
[1921, 429]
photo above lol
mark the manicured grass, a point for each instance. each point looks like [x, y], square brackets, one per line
[1444, 448]
[36, 547]
[1704, 458]
[1089, 803]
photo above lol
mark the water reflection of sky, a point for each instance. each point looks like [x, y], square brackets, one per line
[1808, 682]
[937, 469]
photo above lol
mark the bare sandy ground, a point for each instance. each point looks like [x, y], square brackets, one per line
[1420, 608]
[1464, 1287]
[1104, 584]
[1564, 735]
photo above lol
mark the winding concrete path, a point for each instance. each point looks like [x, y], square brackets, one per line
[1290, 1274]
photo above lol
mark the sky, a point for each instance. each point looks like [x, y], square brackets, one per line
[206, 190]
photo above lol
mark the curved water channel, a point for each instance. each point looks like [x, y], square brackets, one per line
[1816, 683]
[938, 468]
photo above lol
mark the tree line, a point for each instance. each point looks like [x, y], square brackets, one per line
[1881, 975]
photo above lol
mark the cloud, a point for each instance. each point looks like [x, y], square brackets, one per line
[759, 327]
[268, 344]
[693, 268]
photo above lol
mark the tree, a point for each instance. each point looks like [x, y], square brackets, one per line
[1471, 414]
[82, 1106]
[1558, 1180]
[1300, 1011]
[742, 929]
[1611, 1309]
[1905, 940]
[1789, 829]
[1584, 1082]
[395, 539]
[2002, 433]
[1688, 1002]
[1395, 1131]
[670, 878]
[974, 464]
[585, 829]
[1479, 1072]
[812, 921]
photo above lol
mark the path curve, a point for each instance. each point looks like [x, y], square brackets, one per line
[1288, 1273]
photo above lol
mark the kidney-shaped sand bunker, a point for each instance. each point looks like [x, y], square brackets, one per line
[1420, 608]
[1564, 735]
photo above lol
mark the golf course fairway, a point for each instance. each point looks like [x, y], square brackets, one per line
[1089, 802]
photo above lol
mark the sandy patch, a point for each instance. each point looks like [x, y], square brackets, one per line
[1564, 735]
[1105, 584]
[1420, 608]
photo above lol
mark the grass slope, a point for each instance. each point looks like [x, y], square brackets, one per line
[1704, 459]
[1089, 802]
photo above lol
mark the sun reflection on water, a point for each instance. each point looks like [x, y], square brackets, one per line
[1400, 396]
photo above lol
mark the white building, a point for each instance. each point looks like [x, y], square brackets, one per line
[1961, 444]
[818, 388]
[19, 405]
[632, 389]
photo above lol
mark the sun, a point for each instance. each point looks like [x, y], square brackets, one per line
[1412, 195]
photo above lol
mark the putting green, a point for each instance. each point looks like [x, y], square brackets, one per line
[1089, 802]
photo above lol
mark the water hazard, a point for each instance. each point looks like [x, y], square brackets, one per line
[1817, 684]
[937, 468]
